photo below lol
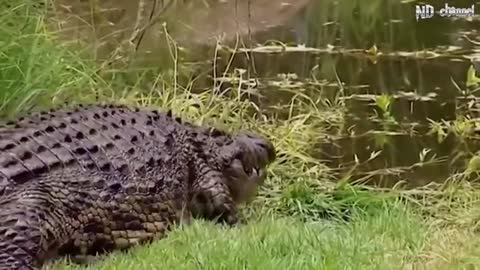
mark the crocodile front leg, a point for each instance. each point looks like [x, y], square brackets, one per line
[211, 197]
[31, 229]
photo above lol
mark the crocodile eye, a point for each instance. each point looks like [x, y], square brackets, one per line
[226, 162]
[239, 155]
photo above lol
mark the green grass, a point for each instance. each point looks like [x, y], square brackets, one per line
[34, 70]
[390, 237]
[374, 242]
[303, 217]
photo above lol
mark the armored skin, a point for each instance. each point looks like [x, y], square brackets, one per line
[101, 177]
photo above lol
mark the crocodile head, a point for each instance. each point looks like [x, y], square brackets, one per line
[244, 164]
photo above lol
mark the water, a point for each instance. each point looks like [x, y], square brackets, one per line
[426, 86]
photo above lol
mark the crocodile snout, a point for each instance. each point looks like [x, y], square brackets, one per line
[259, 146]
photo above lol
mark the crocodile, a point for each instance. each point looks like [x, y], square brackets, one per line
[95, 178]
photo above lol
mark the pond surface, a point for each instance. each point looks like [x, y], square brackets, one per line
[374, 48]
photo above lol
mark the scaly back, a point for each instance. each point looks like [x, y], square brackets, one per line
[94, 138]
